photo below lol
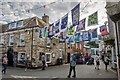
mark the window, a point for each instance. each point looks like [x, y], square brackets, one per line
[12, 25]
[22, 39]
[11, 40]
[48, 57]
[20, 24]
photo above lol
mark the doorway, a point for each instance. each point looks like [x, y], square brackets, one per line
[68, 57]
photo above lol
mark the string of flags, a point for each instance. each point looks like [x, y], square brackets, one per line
[76, 32]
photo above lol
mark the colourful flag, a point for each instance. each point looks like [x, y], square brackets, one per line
[77, 37]
[71, 38]
[45, 32]
[86, 36]
[51, 30]
[93, 19]
[94, 33]
[75, 15]
[57, 26]
[71, 30]
[103, 30]
[81, 25]
[64, 22]
[41, 33]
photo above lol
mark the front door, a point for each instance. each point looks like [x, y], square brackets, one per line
[68, 57]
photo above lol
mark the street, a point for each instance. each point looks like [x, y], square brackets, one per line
[83, 71]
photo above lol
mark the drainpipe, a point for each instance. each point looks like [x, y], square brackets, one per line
[117, 47]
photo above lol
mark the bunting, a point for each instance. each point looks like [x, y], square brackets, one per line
[86, 36]
[51, 30]
[71, 38]
[81, 25]
[57, 26]
[64, 22]
[93, 19]
[75, 15]
[71, 30]
[94, 33]
[77, 37]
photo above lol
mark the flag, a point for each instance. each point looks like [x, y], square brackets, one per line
[45, 32]
[64, 22]
[75, 15]
[40, 33]
[94, 33]
[70, 40]
[81, 25]
[99, 37]
[77, 37]
[65, 34]
[71, 30]
[51, 30]
[93, 19]
[86, 36]
[103, 30]
[57, 24]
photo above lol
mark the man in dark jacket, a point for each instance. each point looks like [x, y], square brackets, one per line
[72, 65]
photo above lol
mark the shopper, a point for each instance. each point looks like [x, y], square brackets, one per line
[72, 65]
[97, 61]
[106, 62]
[26, 63]
[4, 63]
[43, 61]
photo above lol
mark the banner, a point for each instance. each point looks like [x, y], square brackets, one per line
[93, 19]
[64, 22]
[103, 30]
[51, 30]
[41, 33]
[81, 25]
[65, 34]
[57, 24]
[77, 37]
[75, 15]
[86, 36]
[71, 38]
[94, 33]
[71, 30]
[45, 31]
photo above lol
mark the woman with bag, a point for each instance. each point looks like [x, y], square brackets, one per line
[106, 61]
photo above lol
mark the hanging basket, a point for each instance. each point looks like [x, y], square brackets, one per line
[110, 42]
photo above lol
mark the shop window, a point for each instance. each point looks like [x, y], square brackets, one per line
[48, 57]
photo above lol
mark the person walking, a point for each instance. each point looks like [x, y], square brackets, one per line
[72, 65]
[97, 61]
[26, 63]
[43, 61]
[4, 63]
[106, 61]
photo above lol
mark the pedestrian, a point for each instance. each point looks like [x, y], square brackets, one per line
[72, 65]
[43, 61]
[106, 62]
[26, 63]
[4, 63]
[97, 61]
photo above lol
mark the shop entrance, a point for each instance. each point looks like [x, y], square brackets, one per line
[68, 57]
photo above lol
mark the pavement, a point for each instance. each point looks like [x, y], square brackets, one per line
[54, 72]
